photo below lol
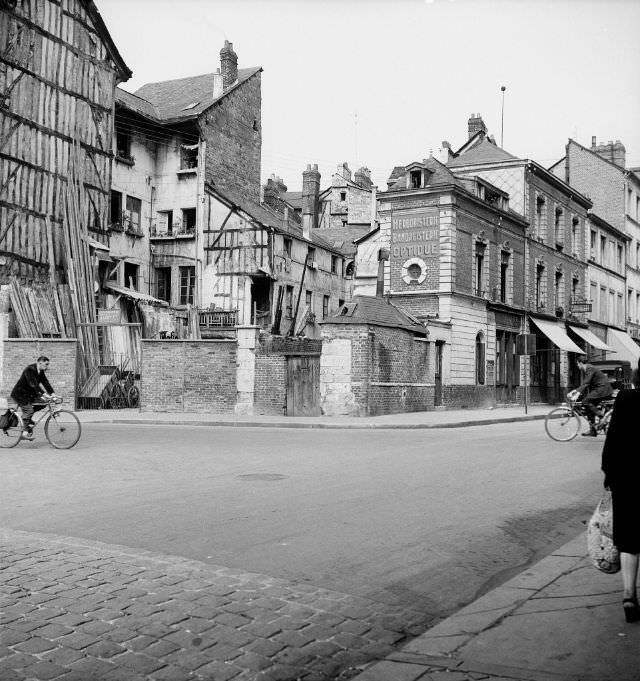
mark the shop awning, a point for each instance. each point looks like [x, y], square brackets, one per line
[624, 346]
[134, 295]
[557, 335]
[591, 338]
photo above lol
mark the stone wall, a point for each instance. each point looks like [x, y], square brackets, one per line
[17, 353]
[189, 375]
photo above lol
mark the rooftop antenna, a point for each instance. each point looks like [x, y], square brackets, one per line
[503, 88]
[355, 128]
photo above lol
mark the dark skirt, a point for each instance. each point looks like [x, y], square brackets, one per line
[626, 518]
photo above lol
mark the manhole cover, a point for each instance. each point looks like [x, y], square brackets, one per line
[261, 476]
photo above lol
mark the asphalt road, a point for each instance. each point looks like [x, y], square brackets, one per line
[419, 518]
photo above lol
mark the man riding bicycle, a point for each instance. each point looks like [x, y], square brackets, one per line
[594, 388]
[29, 391]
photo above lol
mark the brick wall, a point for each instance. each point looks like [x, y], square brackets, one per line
[233, 145]
[427, 304]
[468, 396]
[17, 353]
[188, 375]
[601, 181]
[270, 395]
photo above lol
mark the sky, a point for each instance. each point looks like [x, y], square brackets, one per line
[381, 83]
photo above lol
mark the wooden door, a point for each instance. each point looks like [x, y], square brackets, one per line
[438, 375]
[303, 385]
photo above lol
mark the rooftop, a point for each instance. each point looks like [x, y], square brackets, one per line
[375, 311]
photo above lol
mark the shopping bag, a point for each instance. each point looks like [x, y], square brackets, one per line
[604, 555]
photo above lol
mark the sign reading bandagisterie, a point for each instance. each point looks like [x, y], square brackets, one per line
[415, 235]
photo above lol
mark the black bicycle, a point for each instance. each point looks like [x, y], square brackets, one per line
[61, 427]
[563, 423]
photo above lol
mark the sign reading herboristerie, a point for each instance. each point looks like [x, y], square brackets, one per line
[415, 241]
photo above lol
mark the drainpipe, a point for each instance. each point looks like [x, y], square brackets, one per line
[200, 202]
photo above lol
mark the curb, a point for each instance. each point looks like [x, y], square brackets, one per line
[329, 426]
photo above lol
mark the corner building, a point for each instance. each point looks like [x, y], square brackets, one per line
[451, 254]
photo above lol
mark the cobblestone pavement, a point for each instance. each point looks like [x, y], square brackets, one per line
[78, 610]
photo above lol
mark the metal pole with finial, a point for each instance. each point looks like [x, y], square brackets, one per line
[503, 88]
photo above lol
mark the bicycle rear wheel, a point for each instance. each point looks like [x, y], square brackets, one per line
[62, 428]
[562, 424]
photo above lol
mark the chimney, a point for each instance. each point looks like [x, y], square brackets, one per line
[229, 65]
[272, 191]
[343, 169]
[362, 177]
[476, 124]
[614, 152]
[218, 85]
[310, 196]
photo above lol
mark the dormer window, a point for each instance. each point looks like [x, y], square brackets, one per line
[343, 196]
[415, 179]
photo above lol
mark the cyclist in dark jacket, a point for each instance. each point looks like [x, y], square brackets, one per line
[594, 388]
[30, 388]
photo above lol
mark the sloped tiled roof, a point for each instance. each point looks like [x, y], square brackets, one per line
[377, 312]
[137, 104]
[293, 198]
[483, 152]
[173, 99]
[439, 174]
[266, 216]
[342, 238]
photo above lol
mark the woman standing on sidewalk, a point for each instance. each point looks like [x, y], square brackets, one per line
[621, 467]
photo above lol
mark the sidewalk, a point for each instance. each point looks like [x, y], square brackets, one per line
[439, 418]
[560, 620]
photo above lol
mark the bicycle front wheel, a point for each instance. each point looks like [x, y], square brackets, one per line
[562, 424]
[62, 429]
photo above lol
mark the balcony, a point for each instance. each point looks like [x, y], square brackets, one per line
[176, 231]
[217, 319]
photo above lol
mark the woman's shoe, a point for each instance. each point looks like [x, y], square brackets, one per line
[631, 609]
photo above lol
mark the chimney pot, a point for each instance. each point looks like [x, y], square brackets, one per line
[593, 141]
[228, 64]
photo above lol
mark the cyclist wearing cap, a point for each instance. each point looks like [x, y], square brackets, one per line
[31, 388]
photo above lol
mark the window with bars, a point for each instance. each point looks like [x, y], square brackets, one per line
[187, 284]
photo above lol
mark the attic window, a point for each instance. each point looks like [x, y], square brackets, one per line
[191, 106]
[415, 179]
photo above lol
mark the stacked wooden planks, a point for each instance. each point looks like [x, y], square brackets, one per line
[42, 312]
[78, 265]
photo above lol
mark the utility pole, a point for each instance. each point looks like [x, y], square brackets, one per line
[503, 88]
